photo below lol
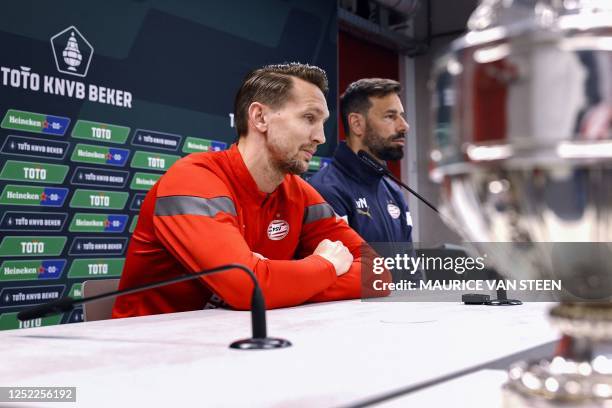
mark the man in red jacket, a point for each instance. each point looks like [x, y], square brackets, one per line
[247, 205]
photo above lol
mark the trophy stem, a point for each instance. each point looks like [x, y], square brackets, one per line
[580, 372]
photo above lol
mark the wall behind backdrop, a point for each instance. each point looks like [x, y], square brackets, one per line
[99, 98]
[359, 59]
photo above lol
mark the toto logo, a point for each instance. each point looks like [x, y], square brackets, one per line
[72, 52]
[278, 229]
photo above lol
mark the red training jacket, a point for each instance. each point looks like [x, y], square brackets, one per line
[207, 211]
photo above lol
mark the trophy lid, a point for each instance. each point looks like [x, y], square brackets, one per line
[529, 80]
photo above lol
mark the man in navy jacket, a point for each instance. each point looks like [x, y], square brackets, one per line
[372, 204]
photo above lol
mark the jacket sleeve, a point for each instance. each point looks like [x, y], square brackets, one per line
[330, 193]
[321, 222]
[201, 231]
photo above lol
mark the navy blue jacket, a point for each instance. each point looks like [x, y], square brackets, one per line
[373, 205]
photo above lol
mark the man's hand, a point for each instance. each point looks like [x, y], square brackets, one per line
[260, 256]
[336, 253]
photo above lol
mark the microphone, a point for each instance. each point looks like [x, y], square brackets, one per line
[380, 169]
[365, 157]
[258, 341]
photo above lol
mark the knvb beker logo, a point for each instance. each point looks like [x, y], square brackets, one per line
[72, 52]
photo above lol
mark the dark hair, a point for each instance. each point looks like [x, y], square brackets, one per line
[272, 85]
[356, 98]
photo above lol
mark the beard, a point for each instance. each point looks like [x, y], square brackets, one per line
[288, 165]
[382, 147]
[292, 166]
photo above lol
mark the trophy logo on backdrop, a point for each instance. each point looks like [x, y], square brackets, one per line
[72, 52]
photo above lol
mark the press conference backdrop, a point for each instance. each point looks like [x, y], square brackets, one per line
[99, 98]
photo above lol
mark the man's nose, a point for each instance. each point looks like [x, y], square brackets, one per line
[319, 136]
[403, 125]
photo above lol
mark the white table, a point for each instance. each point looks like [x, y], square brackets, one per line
[343, 353]
[482, 389]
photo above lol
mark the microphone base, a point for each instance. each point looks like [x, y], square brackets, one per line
[504, 302]
[265, 343]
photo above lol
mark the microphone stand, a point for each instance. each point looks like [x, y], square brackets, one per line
[380, 169]
[365, 157]
[258, 341]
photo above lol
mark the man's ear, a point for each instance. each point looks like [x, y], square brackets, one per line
[356, 122]
[257, 116]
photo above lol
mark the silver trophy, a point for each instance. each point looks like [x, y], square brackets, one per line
[523, 152]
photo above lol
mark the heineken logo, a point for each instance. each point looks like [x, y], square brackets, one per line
[144, 181]
[99, 155]
[35, 122]
[194, 145]
[31, 269]
[82, 222]
[33, 195]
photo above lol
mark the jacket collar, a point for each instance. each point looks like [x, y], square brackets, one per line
[243, 179]
[354, 167]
